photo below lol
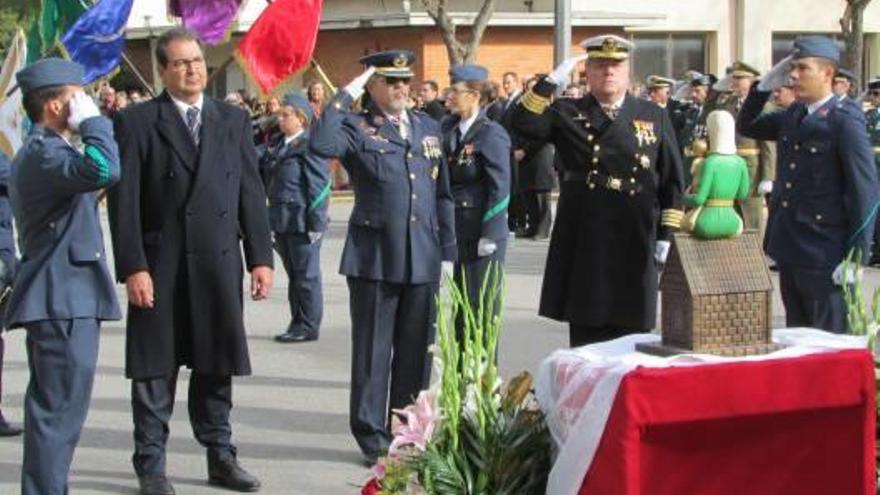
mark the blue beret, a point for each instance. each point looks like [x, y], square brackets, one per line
[49, 72]
[299, 102]
[391, 63]
[468, 73]
[816, 46]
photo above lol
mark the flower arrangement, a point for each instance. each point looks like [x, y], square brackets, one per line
[864, 321]
[468, 434]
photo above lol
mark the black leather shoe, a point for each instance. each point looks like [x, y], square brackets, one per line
[7, 430]
[294, 337]
[155, 484]
[229, 474]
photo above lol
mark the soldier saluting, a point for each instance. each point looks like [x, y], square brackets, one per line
[62, 290]
[399, 234]
[622, 175]
[825, 196]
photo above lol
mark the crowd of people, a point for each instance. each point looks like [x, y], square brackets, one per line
[201, 190]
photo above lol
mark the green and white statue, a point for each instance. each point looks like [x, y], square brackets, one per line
[719, 179]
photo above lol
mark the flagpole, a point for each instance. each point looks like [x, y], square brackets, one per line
[137, 74]
[323, 76]
[220, 70]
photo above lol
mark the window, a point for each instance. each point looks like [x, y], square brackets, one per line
[668, 55]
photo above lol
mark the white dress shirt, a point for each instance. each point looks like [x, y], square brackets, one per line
[815, 106]
[182, 106]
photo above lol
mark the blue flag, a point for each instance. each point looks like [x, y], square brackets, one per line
[97, 38]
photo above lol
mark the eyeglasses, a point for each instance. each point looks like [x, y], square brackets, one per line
[184, 63]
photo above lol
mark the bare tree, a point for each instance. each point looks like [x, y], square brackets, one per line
[853, 35]
[460, 51]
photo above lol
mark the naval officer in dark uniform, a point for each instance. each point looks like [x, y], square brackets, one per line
[620, 196]
[478, 153]
[298, 187]
[62, 290]
[400, 231]
[825, 196]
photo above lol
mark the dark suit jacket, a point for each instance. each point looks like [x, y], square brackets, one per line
[183, 213]
[436, 110]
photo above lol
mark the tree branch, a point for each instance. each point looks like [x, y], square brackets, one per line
[480, 24]
[459, 52]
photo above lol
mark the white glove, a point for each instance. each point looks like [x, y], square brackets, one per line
[765, 187]
[562, 73]
[447, 271]
[81, 108]
[848, 273]
[661, 251]
[356, 87]
[485, 247]
[776, 77]
[315, 237]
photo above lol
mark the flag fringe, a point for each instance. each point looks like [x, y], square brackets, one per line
[280, 88]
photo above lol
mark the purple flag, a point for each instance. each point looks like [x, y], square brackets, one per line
[208, 18]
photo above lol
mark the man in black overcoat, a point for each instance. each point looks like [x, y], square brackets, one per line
[191, 197]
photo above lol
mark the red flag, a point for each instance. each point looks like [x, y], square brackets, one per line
[280, 42]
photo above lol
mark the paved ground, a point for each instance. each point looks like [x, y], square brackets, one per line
[290, 421]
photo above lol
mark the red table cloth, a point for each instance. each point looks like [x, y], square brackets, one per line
[788, 426]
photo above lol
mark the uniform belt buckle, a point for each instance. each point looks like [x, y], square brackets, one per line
[614, 184]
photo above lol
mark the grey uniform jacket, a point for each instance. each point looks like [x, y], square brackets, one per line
[53, 191]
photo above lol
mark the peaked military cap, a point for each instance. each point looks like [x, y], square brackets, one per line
[49, 72]
[655, 82]
[844, 75]
[468, 72]
[742, 69]
[391, 63]
[299, 102]
[874, 83]
[607, 46]
[816, 46]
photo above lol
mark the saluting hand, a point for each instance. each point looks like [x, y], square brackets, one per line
[261, 282]
[81, 107]
[139, 286]
[562, 73]
[356, 87]
[778, 76]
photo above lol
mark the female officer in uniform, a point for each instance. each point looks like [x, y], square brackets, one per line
[298, 187]
[478, 152]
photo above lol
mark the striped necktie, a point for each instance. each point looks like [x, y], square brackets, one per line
[193, 123]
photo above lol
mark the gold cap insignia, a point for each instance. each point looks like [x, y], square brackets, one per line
[610, 45]
[399, 61]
